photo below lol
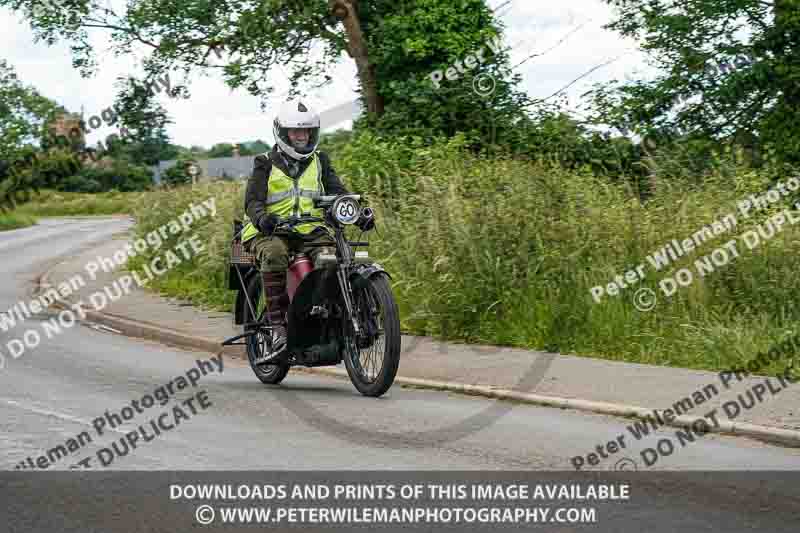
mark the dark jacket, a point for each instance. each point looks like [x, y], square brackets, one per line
[255, 198]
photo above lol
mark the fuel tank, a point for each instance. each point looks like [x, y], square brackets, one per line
[299, 268]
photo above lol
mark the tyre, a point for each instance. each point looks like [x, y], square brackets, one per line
[372, 360]
[269, 373]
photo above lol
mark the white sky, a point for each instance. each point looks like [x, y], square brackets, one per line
[215, 114]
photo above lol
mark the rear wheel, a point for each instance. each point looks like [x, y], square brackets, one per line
[258, 345]
[373, 358]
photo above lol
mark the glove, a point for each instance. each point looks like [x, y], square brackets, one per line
[365, 224]
[267, 223]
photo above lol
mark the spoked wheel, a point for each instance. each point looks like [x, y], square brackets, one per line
[373, 358]
[259, 345]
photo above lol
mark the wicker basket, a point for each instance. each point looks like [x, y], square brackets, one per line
[239, 255]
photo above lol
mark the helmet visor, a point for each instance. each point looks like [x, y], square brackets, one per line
[303, 140]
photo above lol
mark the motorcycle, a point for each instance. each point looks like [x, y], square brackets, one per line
[340, 309]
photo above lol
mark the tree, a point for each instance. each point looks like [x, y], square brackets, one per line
[25, 116]
[172, 151]
[254, 148]
[220, 150]
[418, 45]
[730, 71]
[197, 150]
[389, 40]
[143, 122]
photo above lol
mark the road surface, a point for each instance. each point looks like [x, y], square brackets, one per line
[58, 391]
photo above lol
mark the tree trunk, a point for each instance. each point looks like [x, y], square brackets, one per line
[788, 39]
[347, 12]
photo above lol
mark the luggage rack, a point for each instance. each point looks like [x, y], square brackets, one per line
[241, 264]
[240, 256]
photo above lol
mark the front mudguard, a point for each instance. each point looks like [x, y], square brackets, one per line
[318, 288]
[362, 272]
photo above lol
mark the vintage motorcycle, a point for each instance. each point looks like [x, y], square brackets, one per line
[340, 309]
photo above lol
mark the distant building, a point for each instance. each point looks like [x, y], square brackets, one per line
[210, 169]
[65, 124]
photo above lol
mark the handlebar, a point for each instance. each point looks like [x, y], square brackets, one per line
[327, 201]
[287, 225]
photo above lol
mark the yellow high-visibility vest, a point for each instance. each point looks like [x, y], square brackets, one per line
[289, 197]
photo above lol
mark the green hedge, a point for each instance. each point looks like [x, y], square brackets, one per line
[506, 252]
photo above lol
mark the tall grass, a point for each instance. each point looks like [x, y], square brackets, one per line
[53, 203]
[12, 220]
[506, 252]
[203, 280]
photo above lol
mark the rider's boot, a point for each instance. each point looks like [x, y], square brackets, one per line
[274, 289]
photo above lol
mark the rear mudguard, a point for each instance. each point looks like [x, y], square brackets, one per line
[241, 302]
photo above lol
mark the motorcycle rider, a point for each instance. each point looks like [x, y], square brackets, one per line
[282, 184]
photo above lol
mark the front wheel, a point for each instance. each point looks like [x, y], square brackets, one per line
[372, 359]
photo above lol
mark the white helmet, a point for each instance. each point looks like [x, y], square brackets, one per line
[295, 114]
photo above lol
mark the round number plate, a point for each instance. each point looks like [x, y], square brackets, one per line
[346, 210]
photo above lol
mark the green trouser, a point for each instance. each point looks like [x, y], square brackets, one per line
[273, 253]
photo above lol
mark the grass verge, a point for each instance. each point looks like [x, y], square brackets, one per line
[54, 204]
[13, 220]
[507, 252]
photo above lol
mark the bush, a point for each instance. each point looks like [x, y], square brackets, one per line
[121, 176]
[81, 183]
[35, 170]
[389, 168]
[177, 174]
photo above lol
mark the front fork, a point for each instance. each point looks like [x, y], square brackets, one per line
[345, 260]
[344, 286]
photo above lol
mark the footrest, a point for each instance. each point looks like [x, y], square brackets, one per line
[232, 340]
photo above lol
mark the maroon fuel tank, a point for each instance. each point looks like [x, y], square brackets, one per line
[299, 268]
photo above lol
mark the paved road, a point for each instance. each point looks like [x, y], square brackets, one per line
[53, 393]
